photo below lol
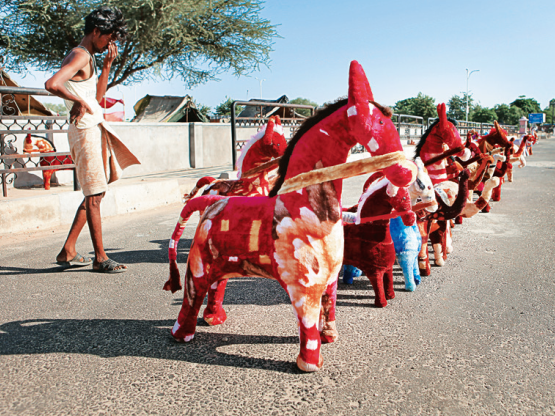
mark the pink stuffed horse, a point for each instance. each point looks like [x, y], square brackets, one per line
[368, 243]
[253, 165]
[296, 237]
[252, 169]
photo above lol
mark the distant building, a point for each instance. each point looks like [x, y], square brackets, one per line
[167, 109]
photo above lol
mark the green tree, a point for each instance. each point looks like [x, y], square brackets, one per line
[203, 109]
[59, 109]
[527, 105]
[194, 40]
[508, 114]
[457, 107]
[483, 114]
[421, 105]
[224, 108]
[303, 101]
[549, 111]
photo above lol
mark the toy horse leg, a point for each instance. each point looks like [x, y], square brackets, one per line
[376, 278]
[448, 241]
[415, 269]
[186, 324]
[214, 313]
[496, 194]
[46, 175]
[388, 283]
[423, 258]
[436, 238]
[406, 261]
[308, 310]
[327, 314]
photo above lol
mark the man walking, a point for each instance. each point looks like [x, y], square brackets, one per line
[98, 154]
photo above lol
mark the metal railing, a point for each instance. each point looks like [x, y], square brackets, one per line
[12, 125]
[293, 123]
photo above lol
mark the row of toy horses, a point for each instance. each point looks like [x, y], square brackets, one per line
[453, 173]
[290, 226]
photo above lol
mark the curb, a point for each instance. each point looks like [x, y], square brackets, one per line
[48, 211]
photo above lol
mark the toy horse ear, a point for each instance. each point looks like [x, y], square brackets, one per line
[272, 128]
[359, 91]
[442, 114]
[419, 163]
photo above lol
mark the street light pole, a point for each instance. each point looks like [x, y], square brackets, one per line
[260, 83]
[468, 76]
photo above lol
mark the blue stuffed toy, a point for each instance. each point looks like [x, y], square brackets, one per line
[407, 242]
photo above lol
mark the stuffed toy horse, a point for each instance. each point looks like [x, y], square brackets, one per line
[407, 240]
[451, 199]
[295, 235]
[368, 243]
[258, 157]
[440, 141]
[39, 144]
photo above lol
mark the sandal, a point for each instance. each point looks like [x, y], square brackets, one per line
[109, 266]
[77, 261]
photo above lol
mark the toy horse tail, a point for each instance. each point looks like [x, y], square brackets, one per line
[197, 204]
[202, 182]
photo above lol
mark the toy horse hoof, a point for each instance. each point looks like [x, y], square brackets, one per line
[439, 262]
[410, 287]
[329, 334]
[309, 368]
[213, 319]
[187, 338]
[380, 304]
[424, 268]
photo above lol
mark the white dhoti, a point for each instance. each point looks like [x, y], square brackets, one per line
[99, 157]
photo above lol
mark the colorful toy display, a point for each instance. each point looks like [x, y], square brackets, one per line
[294, 237]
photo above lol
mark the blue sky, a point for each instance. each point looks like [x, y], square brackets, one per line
[405, 47]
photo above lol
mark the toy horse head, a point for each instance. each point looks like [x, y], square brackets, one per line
[273, 141]
[371, 126]
[496, 136]
[377, 201]
[268, 143]
[441, 134]
[37, 144]
[422, 188]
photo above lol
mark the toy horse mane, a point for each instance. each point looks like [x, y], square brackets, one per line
[422, 140]
[306, 126]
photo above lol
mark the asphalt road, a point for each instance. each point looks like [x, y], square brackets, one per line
[477, 337]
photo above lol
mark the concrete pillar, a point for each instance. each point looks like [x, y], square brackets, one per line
[196, 145]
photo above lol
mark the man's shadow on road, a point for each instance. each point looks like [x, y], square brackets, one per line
[134, 338]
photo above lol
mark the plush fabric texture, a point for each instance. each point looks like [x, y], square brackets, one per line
[267, 144]
[407, 242]
[368, 245]
[295, 238]
[452, 199]
[442, 132]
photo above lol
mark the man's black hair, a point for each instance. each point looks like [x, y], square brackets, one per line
[107, 20]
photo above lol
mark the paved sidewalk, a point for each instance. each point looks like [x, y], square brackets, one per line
[35, 208]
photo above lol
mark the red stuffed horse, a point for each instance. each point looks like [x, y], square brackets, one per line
[258, 157]
[294, 237]
[38, 144]
[368, 243]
